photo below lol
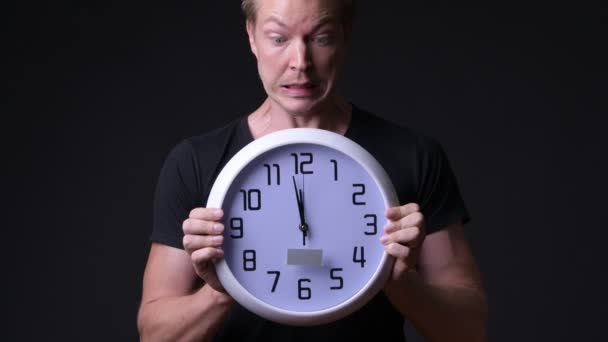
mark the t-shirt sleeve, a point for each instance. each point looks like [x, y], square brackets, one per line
[438, 194]
[177, 193]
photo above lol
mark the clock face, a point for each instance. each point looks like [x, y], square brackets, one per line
[302, 228]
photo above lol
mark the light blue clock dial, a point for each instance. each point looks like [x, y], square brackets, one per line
[266, 247]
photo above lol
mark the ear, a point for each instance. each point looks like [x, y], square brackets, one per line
[251, 33]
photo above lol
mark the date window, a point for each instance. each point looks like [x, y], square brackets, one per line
[305, 257]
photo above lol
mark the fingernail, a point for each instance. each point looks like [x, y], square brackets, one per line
[218, 227]
[217, 213]
[217, 239]
[383, 239]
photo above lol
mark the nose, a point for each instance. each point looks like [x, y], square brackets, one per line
[300, 56]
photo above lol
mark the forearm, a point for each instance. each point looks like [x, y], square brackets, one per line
[194, 317]
[440, 313]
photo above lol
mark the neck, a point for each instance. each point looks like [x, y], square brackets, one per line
[268, 118]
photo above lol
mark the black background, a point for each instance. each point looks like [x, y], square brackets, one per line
[98, 93]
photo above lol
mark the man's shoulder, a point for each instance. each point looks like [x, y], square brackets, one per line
[219, 135]
[381, 130]
[208, 145]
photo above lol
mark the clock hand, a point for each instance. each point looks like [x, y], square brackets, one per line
[300, 200]
[305, 228]
[304, 225]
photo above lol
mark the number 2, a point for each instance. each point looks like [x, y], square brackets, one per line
[361, 192]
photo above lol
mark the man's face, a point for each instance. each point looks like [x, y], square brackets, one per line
[299, 46]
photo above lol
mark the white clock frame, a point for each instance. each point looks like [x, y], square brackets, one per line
[298, 136]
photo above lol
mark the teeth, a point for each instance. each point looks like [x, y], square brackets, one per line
[302, 86]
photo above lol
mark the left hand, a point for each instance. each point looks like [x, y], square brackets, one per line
[403, 237]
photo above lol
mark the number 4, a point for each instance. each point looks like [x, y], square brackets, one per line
[357, 259]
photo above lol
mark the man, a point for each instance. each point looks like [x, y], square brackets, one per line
[299, 46]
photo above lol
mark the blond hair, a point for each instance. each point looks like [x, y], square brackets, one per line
[347, 10]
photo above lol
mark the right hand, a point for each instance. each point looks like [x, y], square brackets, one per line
[202, 240]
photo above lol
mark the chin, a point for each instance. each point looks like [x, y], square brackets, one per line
[302, 106]
[298, 106]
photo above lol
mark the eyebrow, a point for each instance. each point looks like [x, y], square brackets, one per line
[275, 20]
[325, 19]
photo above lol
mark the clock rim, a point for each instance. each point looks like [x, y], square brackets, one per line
[302, 136]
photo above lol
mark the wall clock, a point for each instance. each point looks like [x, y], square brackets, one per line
[303, 215]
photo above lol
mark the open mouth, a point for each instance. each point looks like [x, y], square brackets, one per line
[300, 86]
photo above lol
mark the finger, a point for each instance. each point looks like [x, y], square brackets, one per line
[409, 236]
[195, 242]
[396, 213]
[206, 214]
[202, 227]
[400, 267]
[397, 250]
[202, 256]
[391, 227]
[415, 219]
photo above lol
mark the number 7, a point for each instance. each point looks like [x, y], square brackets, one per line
[277, 274]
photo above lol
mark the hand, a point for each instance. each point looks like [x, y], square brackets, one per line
[300, 200]
[202, 240]
[403, 237]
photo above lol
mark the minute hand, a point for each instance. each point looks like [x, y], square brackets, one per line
[300, 200]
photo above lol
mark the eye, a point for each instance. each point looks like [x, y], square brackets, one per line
[278, 40]
[323, 40]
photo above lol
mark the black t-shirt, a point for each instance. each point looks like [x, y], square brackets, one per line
[416, 165]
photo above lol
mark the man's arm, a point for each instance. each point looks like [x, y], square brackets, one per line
[172, 309]
[444, 299]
